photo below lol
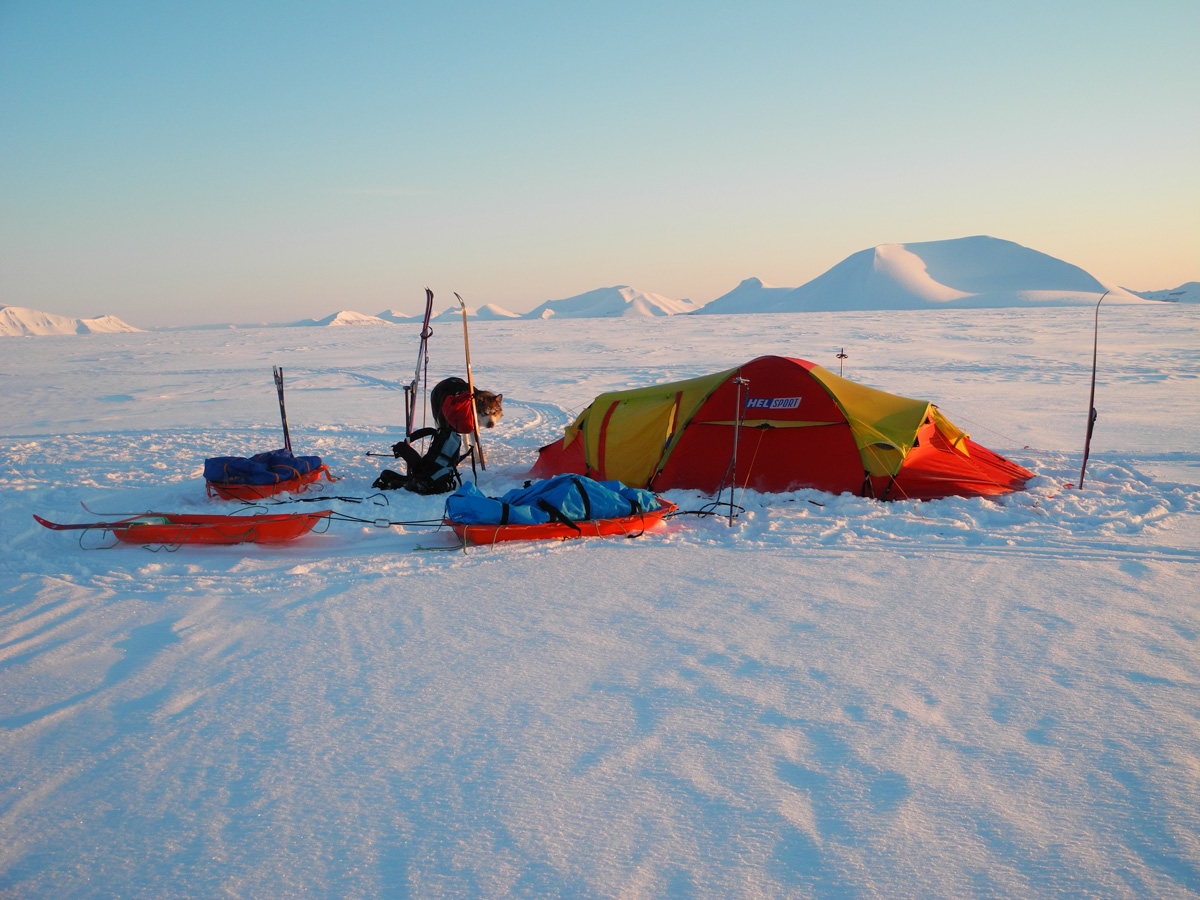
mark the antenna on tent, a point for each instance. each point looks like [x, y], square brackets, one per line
[1087, 442]
[739, 415]
[841, 355]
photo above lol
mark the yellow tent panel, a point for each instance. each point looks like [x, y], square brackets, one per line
[631, 432]
[884, 425]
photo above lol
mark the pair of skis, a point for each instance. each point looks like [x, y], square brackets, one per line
[411, 391]
[287, 438]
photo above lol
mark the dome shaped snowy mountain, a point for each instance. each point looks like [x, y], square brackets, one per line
[748, 297]
[965, 272]
[344, 317]
[394, 316]
[17, 321]
[487, 311]
[611, 302]
[492, 311]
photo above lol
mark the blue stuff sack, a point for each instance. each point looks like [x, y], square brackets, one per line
[271, 467]
[573, 497]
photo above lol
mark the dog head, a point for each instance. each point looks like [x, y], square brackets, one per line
[488, 408]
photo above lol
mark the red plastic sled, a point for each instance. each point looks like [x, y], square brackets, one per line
[626, 526]
[298, 484]
[172, 529]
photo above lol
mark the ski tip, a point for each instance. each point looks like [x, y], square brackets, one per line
[53, 526]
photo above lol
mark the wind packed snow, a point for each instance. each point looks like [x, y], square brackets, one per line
[830, 697]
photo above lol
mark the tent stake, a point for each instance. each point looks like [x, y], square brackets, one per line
[1087, 441]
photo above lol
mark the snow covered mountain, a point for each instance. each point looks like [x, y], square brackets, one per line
[749, 296]
[487, 311]
[17, 321]
[611, 302]
[1185, 293]
[344, 317]
[492, 311]
[395, 316]
[975, 271]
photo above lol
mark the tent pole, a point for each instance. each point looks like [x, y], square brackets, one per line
[738, 415]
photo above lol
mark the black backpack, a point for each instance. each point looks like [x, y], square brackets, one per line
[434, 472]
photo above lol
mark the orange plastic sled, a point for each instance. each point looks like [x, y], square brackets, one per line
[626, 526]
[296, 485]
[173, 529]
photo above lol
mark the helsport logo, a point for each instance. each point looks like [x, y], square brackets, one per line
[777, 403]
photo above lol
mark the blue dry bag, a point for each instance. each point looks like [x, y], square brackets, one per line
[575, 498]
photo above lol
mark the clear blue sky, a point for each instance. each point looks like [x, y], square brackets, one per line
[190, 162]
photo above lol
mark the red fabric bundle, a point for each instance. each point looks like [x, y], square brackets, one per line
[459, 412]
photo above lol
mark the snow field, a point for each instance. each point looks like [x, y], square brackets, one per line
[831, 698]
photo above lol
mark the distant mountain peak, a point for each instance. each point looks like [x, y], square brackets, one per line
[345, 317]
[975, 271]
[18, 321]
[619, 301]
[487, 311]
[1185, 293]
[751, 295]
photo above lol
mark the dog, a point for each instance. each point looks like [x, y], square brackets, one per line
[488, 406]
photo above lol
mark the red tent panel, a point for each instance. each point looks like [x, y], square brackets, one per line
[933, 469]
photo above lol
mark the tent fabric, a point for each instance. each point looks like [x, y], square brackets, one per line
[884, 425]
[796, 425]
[638, 427]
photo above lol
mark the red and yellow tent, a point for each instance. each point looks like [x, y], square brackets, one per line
[797, 425]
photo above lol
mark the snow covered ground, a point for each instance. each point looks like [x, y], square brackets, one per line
[832, 698]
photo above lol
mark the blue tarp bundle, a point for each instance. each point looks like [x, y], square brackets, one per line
[271, 467]
[573, 497]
